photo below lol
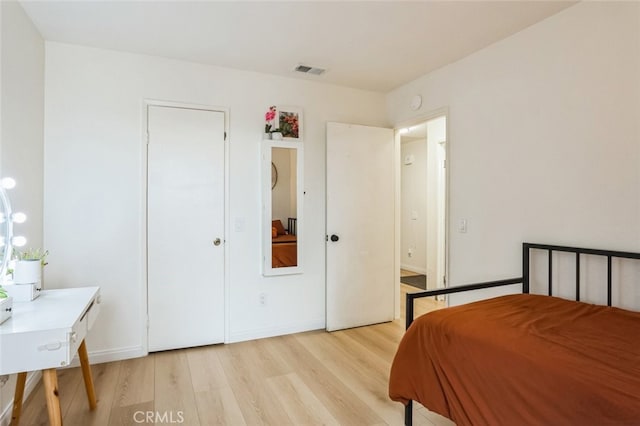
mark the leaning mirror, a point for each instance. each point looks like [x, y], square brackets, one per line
[282, 190]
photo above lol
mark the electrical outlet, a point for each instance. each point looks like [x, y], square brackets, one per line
[262, 299]
[410, 253]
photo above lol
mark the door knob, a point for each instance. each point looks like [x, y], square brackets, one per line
[334, 238]
[216, 242]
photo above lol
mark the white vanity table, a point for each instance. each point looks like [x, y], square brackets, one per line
[45, 334]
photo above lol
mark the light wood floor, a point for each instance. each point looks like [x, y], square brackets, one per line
[311, 378]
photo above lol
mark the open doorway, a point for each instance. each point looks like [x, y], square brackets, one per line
[423, 207]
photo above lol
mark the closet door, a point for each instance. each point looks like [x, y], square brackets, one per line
[185, 227]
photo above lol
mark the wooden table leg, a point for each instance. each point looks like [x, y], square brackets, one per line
[86, 374]
[50, 379]
[17, 399]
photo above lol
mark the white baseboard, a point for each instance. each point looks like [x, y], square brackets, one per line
[110, 355]
[261, 333]
[98, 357]
[32, 381]
[413, 268]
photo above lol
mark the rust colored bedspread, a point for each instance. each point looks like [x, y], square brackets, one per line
[284, 255]
[523, 360]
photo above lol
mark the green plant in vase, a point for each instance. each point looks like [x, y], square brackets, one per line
[33, 254]
[276, 134]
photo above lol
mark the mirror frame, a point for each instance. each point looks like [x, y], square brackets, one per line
[6, 222]
[267, 207]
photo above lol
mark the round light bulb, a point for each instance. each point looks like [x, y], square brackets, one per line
[8, 183]
[18, 217]
[18, 241]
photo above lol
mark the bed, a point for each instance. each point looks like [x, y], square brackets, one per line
[284, 244]
[523, 359]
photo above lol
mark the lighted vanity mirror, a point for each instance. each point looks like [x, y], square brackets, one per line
[282, 193]
[7, 218]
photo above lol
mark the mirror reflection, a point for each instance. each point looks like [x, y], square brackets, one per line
[284, 208]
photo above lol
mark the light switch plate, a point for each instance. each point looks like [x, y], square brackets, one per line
[239, 224]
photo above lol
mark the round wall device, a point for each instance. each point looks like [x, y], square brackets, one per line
[416, 102]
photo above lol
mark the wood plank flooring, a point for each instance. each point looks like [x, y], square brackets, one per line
[313, 378]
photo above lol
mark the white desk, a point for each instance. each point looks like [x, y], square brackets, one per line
[45, 334]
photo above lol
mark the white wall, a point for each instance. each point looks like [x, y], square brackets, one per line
[413, 219]
[94, 210]
[544, 129]
[21, 131]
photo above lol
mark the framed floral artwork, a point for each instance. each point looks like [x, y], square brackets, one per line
[289, 121]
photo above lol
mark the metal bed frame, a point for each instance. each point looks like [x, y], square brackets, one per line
[292, 225]
[524, 280]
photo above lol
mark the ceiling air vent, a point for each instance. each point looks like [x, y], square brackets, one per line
[309, 70]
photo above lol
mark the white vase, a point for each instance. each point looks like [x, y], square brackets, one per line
[276, 136]
[27, 272]
[266, 136]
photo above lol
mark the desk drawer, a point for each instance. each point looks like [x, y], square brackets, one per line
[36, 350]
[75, 339]
[82, 326]
[6, 308]
[94, 310]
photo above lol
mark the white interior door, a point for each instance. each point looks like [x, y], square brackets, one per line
[185, 218]
[360, 225]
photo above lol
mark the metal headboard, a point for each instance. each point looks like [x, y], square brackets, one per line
[609, 254]
[526, 274]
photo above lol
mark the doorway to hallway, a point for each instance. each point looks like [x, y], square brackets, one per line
[423, 204]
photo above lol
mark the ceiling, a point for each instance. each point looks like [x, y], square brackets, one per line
[372, 45]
